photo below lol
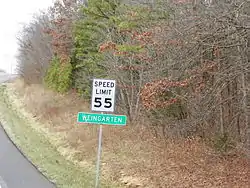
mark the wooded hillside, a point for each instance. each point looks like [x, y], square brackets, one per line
[183, 67]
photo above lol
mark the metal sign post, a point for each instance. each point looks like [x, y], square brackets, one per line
[103, 100]
[99, 152]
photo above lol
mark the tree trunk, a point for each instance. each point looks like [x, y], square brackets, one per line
[245, 108]
[222, 131]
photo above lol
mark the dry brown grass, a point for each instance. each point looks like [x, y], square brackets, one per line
[131, 154]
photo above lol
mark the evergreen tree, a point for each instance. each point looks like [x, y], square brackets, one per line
[89, 32]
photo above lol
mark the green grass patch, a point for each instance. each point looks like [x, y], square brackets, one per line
[41, 152]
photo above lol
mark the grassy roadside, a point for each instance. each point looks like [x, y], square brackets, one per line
[132, 155]
[40, 151]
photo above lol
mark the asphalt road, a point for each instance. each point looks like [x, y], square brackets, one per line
[15, 170]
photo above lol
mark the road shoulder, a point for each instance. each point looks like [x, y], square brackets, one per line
[39, 150]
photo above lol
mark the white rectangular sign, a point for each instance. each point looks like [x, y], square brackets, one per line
[103, 95]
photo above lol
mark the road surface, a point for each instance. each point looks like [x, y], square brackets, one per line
[15, 170]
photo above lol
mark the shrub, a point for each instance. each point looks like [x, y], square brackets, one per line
[58, 76]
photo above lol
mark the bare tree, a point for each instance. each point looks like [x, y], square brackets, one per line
[35, 52]
[208, 43]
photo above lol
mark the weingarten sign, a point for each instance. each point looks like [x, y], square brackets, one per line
[104, 119]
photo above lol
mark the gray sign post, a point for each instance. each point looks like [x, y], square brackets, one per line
[103, 100]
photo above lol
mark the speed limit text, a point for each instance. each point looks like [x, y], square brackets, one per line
[102, 85]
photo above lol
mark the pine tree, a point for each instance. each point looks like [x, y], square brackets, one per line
[89, 32]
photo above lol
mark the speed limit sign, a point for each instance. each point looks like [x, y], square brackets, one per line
[103, 95]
